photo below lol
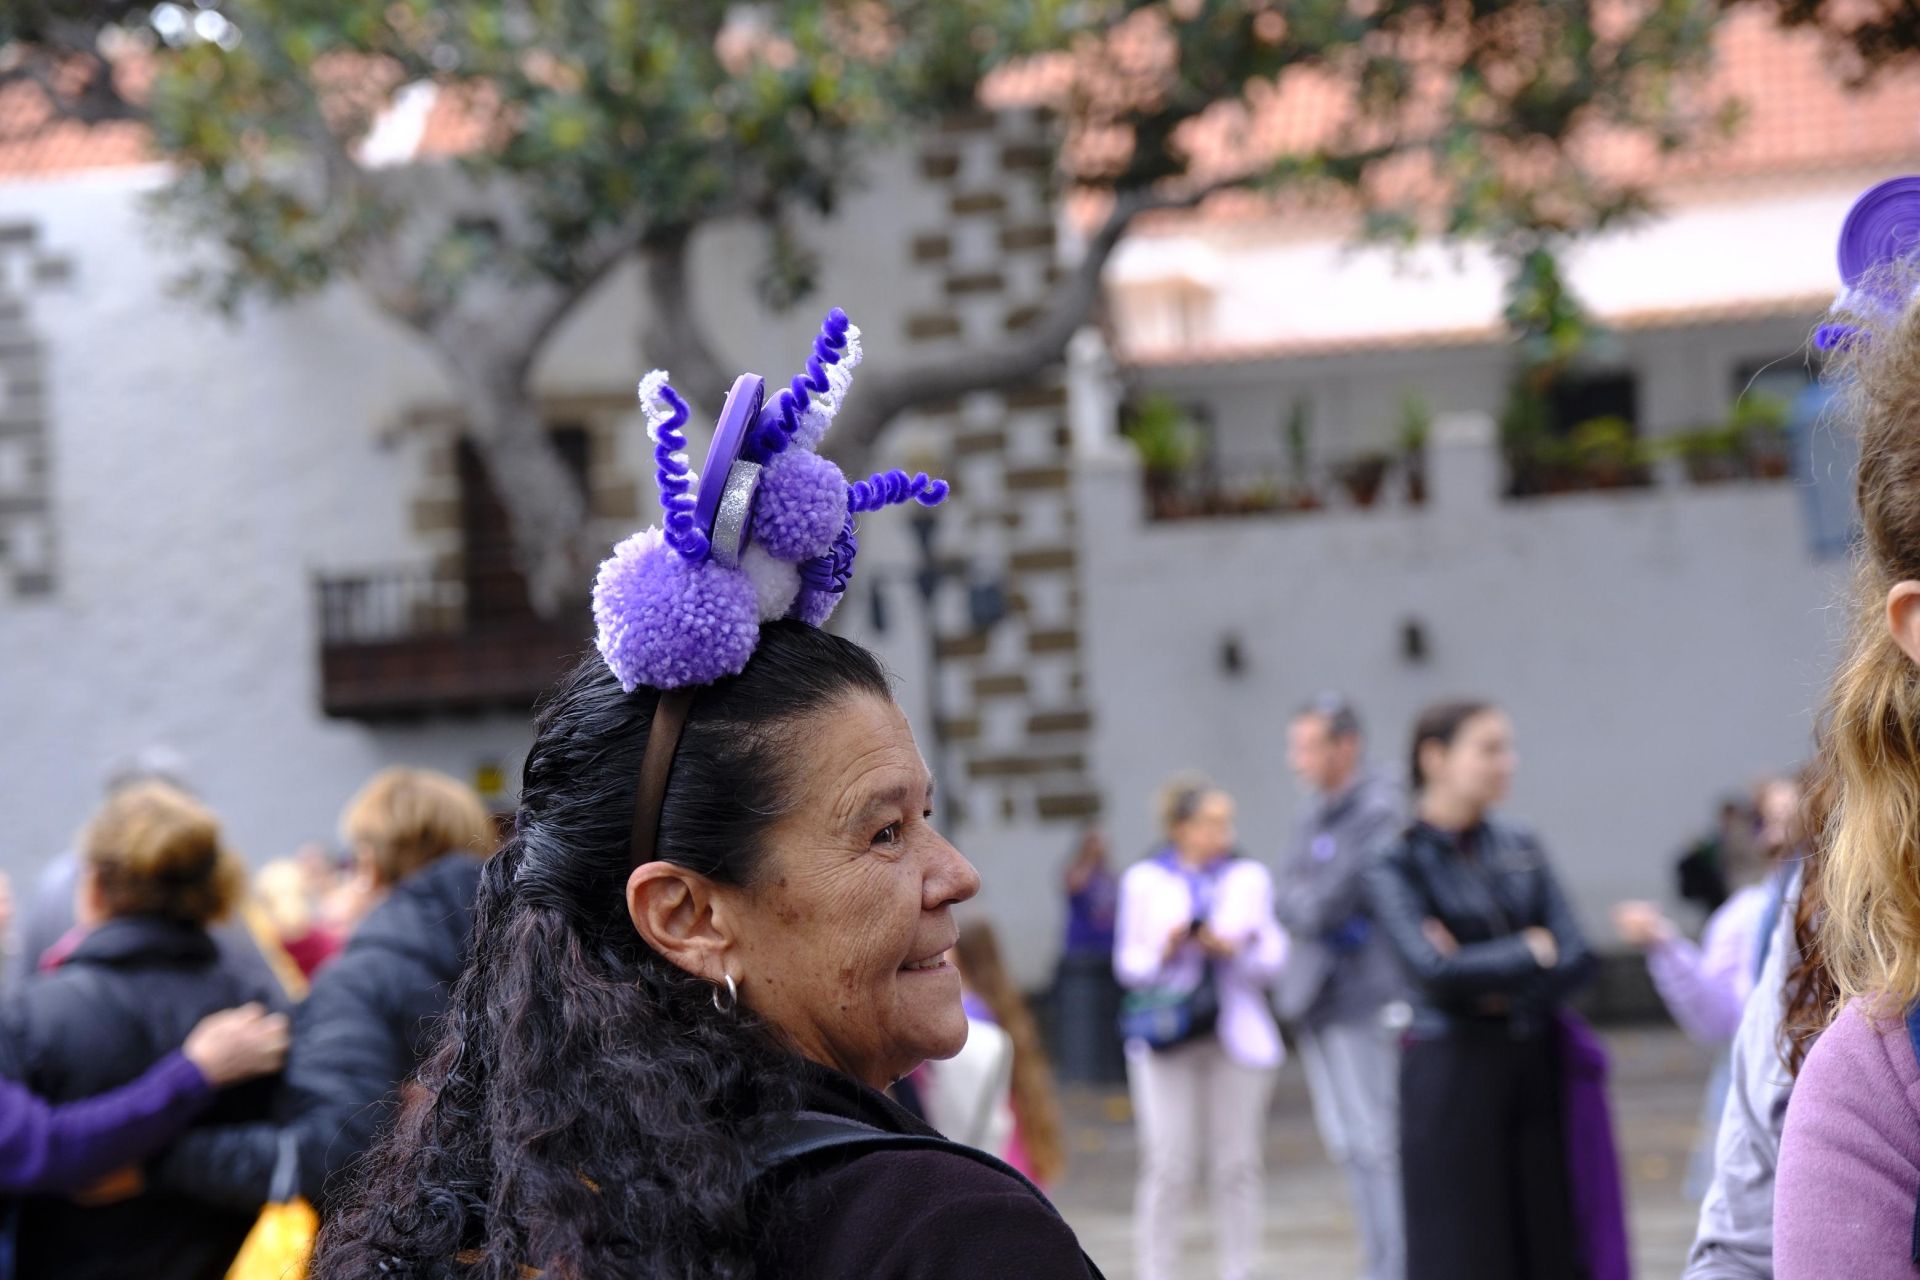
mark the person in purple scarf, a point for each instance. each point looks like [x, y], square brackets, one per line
[63, 1148]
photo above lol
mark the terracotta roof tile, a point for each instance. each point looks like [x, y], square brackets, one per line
[32, 144]
[1799, 117]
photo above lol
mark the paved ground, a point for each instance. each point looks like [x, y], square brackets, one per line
[1657, 1082]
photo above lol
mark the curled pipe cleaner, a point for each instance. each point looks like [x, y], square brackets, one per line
[672, 473]
[780, 421]
[832, 571]
[891, 488]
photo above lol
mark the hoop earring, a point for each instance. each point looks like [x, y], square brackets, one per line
[733, 996]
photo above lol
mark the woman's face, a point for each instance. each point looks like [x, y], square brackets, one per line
[842, 940]
[1477, 769]
[1210, 833]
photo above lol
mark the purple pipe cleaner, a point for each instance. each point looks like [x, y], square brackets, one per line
[891, 488]
[781, 418]
[1832, 337]
[832, 571]
[675, 478]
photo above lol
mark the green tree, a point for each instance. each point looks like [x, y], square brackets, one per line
[609, 128]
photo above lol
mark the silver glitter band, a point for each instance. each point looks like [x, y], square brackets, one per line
[736, 504]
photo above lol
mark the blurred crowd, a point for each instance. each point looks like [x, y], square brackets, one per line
[185, 1049]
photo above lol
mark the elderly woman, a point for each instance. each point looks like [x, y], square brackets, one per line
[717, 933]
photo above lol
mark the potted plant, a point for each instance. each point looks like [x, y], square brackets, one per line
[1711, 455]
[1415, 429]
[1759, 420]
[1298, 434]
[1164, 435]
[1362, 476]
[1526, 438]
[1608, 453]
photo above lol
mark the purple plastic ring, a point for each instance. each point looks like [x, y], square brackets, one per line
[729, 437]
[1882, 227]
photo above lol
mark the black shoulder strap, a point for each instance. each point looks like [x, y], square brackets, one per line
[793, 1138]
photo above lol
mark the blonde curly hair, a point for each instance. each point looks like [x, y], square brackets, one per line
[1868, 877]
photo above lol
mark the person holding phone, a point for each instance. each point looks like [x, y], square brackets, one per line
[1197, 946]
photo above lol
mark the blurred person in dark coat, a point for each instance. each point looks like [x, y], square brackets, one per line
[48, 930]
[418, 839]
[154, 873]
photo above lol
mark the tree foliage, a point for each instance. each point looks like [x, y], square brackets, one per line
[573, 134]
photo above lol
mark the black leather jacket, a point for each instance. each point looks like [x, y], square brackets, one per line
[1484, 886]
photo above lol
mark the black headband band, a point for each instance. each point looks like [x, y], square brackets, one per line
[663, 743]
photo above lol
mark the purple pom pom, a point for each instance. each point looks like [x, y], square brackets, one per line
[666, 621]
[801, 506]
[815, 606]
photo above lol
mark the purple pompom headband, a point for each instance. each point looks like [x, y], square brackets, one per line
[1882, 228]
[765, 531]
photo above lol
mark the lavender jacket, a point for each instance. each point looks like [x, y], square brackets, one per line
[49, 1148]
[1706, 986]
[1155, 901]
[1850, 1156]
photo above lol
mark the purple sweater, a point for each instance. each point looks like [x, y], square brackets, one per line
[1850, 1156]
[45, 1148]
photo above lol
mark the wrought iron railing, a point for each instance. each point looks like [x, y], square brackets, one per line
[408, 643]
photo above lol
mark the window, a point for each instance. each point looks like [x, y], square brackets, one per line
[1580, 398]
[496, 591]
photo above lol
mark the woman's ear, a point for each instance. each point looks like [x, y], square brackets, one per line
[1903, 618]
[674, 911]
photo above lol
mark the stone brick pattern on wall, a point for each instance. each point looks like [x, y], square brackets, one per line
[28, 564]
[1016, 719]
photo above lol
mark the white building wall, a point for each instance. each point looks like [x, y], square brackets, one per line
[1656, 649]
[204, 470]
[1300, 279]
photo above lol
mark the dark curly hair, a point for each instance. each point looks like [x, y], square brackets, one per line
[581, 1116]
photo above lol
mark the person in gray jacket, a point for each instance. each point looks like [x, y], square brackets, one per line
[1735, 1236]
[1343, 993]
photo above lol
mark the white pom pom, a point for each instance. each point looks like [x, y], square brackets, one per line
[653, 404]
[775, 582]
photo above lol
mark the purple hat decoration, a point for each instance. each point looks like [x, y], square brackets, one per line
[1882, 228]
[765, 531]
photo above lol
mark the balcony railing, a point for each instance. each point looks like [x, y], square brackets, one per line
[405, 643]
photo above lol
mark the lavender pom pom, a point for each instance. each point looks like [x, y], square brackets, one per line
[666, 621]
[815, 606]
[801, 505]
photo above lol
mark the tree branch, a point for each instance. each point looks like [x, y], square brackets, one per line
[674, 338]
[884, 395]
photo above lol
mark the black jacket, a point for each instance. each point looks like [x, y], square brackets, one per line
[128, 995]
[365, 1027]
[1485, 886]
[908, 1215]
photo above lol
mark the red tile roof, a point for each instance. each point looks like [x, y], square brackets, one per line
[1800, 118]
[31, 144]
